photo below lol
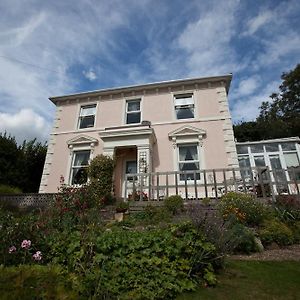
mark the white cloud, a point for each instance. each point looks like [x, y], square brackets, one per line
[208, 40]
[25, 124]
[255, 23]
[247, 86]
[247, 108]
[90, 74]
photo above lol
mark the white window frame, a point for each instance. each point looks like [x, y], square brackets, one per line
[181, 95]
[131, 112]
[199, 160]
[72, 167]
[80, 117]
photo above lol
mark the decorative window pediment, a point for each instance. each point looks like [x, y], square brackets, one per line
[187, 130]
[187, 133]
[82, 140]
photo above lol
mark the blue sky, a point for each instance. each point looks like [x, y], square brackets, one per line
[52, 48]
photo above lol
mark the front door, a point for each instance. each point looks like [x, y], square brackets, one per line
[129, 168]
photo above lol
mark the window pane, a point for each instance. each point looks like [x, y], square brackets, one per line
[81, 158]
[257, 148]
[88, 110]
[272, 147]
[131, 167]
[189, 167]
[241, 149]
[86, 122]
[259, 161]
[184, 113]
[184, 100]
[291, 160]
[79, 176]
[188, 153]
[244, 162]
[275, 162]
[133, 105]
[133, 118]
[288, 146]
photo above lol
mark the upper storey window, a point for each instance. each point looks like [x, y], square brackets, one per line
[184, 106]
[133, 111]
[87, 116]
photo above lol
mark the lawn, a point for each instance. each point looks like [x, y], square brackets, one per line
[254, 280]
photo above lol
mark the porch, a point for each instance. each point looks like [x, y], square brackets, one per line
[262, 182]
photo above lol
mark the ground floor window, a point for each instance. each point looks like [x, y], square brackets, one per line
[188, 160]
[80, 162]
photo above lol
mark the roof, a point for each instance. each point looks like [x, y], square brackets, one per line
[226, 79]
[281, 140]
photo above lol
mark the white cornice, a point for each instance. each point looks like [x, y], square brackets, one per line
[223, 80]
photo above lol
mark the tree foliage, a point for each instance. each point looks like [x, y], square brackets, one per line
[279, 117]
[21, 165]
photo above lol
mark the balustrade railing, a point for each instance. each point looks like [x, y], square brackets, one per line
[259, 181]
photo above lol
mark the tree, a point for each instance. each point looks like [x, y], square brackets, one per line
[279, 117]
[21, 165]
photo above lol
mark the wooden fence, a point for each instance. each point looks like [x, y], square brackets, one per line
[193, 185]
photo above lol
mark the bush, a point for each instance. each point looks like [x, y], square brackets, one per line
[245, 239]
[243, 208]
[100, 172]
[35, 282]
[276, 231]
[6, 189]
[151, 215]
[175, 260]
[173, 204]
[287, 208]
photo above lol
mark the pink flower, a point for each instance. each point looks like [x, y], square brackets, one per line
[26, 244]
[37, 256]
[61, 179]
[12, 249]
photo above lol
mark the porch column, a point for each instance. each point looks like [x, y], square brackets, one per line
[144, 160]
[109, 151]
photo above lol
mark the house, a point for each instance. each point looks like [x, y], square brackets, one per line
[180, 125]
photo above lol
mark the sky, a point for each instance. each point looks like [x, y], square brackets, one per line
[51, 48]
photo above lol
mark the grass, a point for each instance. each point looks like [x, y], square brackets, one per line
[253, 280]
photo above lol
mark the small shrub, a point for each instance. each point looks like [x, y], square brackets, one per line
[100, 172]
[174, 204]
[122, 206]
[276, 231]
[295, 227]
[243, 208]
[287, 208]
[6, 189]
[245, 239]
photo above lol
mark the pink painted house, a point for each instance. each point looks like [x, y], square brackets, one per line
[178, 125]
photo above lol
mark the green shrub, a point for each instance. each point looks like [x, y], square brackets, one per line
[35, 282]
[276, 231]
[295, 227]
[6, 189]
[287, 208]
[151, 215]
[244, 208]
[244, 239]
[173, 204]
[100, 172]
[174, 259]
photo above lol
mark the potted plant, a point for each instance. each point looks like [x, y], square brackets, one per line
[122, 207]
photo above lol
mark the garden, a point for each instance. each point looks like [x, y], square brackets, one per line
[68, 251]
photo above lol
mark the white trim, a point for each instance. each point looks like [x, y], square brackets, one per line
[129, 99]
[183, 92]
[124, 174]
[221, 118]
[79, 106]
